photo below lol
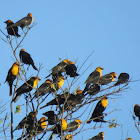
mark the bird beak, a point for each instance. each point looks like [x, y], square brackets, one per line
[5, 22]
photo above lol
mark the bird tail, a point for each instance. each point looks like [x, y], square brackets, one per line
[86, 88]
[18, 35]
[34, 67]
[89, 121]
[48, 75]
[74, 74]
[15, 98]
[10, 94]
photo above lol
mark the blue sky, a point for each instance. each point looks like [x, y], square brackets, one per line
[73, 29]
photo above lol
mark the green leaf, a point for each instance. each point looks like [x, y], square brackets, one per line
[112, 125]
[0, 121]
[113, 120]
[18, 109]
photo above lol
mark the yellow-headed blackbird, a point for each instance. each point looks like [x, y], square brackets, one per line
[97, 114]
[74, 125]
[108, 78]
[35, 129]
[93, 78]
[60, 100]
[71, 69]
[60, 127]
[69, 137]
[11, 76]
[59, 68]
[123, 78]
[44, 88]
[100, 136]
[26, 58]
[137, 110]
[52, 117]
[74, 100]
[58, 83]
[129, 139]
[27, 121]
[24, 22]
[12, 30]
[42, 123]
[93, 89]
[70, 101]
[26, 87]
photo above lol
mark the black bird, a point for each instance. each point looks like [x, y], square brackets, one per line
[26, 58]
[12, 30]
[123, 78]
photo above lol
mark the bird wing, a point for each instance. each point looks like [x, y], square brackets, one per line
[93, 77]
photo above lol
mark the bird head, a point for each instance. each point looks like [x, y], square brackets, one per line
[78, 121]
[48, 81]
[8, 21]
[32, 114]
[70, 62]
[43, 122]
[63, 124]
[101, 134]
[136, 105]
[29, 15]
[22, 50]
[104, 102]
[113, 74]
[78, 91]
[129, 139]
[16, 64]
[66, 61]
[99, 69]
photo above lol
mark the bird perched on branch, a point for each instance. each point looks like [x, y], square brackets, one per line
[73, 100]
[24, 22]
[64, 66]
[97, 115]
[69, 100]
[137, 111]
[93, 78]
[26, 87]
[123, 78]
[60, 99]
[27, 121]
[59, 128]
[93, 89]
[46, 87]
[100, 136]
[11, 76]
[71, 69]
[52, 117]
[26, 58]
[59, 68]
[12, 30]
[35, 129]
[58, 83]
[108, 78]
[74, 125]
[42, 124]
